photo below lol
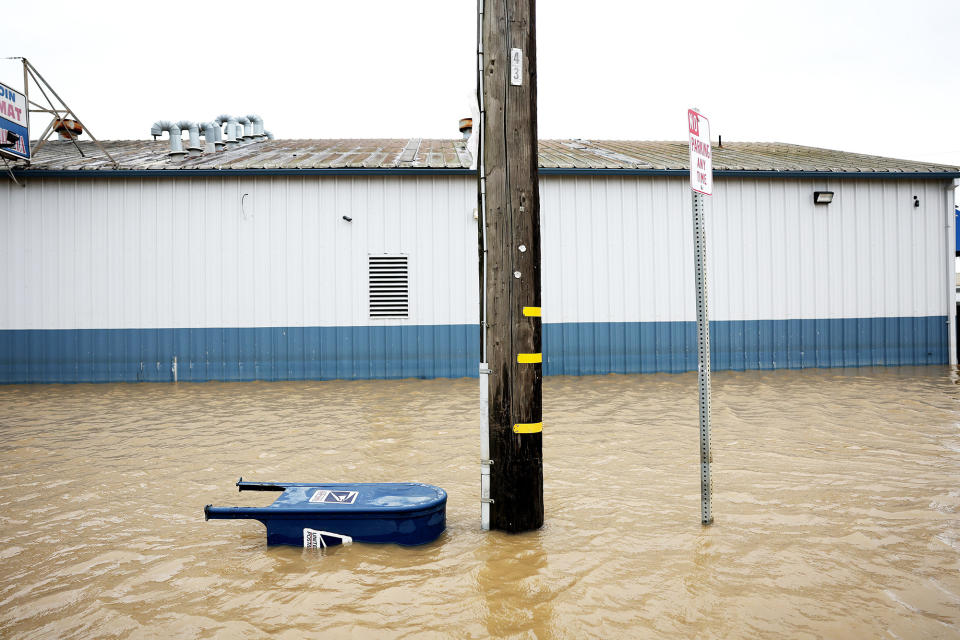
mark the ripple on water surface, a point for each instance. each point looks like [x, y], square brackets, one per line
[837, 506]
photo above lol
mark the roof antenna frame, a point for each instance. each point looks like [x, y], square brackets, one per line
[56, 108]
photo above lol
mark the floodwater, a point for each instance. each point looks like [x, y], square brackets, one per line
[837, 505]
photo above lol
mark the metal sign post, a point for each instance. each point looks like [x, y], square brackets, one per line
[701, 185]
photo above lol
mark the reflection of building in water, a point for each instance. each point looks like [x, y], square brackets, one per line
[291, 259]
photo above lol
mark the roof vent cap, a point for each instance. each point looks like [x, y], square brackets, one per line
[67, 129]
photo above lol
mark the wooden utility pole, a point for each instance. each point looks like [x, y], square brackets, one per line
[510, 265]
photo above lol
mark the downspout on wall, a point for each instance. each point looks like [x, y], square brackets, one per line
[949, 192]
[176, 144]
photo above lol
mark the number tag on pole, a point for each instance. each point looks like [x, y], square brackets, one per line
[516, 67]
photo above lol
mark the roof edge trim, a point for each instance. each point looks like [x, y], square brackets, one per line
[454, 171]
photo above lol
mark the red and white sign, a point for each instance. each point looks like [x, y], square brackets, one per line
[13, 106]
[701, 159]
[14, 135]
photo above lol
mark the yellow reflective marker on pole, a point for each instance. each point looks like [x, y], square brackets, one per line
[529, 358]
[530, 427]
[531, 312]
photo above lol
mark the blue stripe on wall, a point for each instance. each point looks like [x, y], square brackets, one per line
[648, 347]
[293, 353]
[452, 351]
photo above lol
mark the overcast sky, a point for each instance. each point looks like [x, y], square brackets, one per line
[877, 77]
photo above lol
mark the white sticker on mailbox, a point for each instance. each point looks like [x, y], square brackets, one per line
[334, 497]
[315, 539]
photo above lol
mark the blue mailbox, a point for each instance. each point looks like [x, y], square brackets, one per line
[326, 514]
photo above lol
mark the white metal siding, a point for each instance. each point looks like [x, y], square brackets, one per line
[173, 253]
[146, 253]
[621, 249]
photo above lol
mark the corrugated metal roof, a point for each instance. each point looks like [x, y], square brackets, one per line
[420, 153]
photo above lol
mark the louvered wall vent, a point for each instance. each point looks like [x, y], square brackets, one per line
[389, 287]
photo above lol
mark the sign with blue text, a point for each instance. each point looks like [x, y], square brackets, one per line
[14, 123]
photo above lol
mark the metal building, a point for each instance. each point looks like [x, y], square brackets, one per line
[358, 259]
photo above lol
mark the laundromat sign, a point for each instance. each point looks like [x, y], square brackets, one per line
[14, 123]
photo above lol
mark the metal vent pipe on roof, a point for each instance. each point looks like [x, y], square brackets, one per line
[231, 131]
[466, 127]
[176, 144]
[247, 129]
[193, 146]
[211, 133]
[257, 126]
[67, 129]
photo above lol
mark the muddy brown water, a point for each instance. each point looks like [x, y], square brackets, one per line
[837, 504]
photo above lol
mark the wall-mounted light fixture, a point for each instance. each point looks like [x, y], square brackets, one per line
[916, 201]
[822, 197]
[348, 218]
